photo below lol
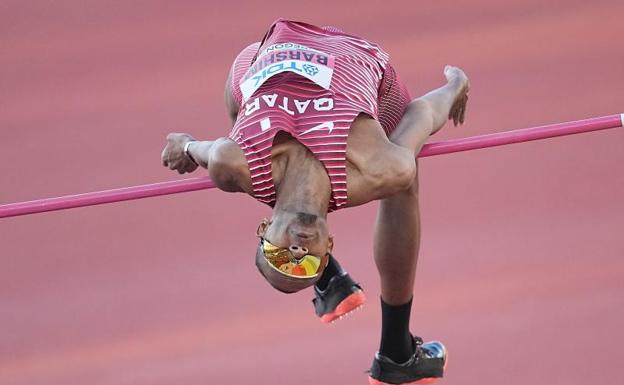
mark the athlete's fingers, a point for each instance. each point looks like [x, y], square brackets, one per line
[192, 167]
[187, 166]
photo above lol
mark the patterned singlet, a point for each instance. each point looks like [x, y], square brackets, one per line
[310, 82]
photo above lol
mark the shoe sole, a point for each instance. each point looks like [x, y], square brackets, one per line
[349, 304]
[422, 381]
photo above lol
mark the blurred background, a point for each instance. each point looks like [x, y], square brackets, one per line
[521, 263]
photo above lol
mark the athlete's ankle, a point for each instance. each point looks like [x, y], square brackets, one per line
[333, 269]
[396, 340]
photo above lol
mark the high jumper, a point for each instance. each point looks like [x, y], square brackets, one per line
[321, 122]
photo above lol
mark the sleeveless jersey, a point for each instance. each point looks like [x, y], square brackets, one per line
[310, 82]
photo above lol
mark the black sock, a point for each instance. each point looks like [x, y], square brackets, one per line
[333, 268]
[396, 340]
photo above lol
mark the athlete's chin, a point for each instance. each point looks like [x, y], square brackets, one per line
[305, 232]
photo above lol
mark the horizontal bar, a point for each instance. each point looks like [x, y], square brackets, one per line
[202, 183]
[522, 135]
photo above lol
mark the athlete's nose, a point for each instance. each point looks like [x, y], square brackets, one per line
[298, 251]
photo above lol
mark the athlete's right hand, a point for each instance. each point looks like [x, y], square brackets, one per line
[173, 155]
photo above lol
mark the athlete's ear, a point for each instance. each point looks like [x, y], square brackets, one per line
[330, 243]
[262, 227]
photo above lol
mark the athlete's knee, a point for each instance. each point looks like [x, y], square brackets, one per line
[405, 170]
[412, 188]
[393, 171]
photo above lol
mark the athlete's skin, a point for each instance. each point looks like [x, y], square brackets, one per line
[378, 168]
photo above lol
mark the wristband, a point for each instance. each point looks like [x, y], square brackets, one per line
[187, 153]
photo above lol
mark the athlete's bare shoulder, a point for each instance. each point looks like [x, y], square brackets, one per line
[228, 167]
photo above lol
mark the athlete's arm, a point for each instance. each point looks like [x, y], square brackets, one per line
[223, 158]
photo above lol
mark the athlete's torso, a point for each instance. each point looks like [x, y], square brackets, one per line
[311, 83]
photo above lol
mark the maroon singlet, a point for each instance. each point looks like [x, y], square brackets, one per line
[310, 82]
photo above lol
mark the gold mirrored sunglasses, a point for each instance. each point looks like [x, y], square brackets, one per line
[284, 261]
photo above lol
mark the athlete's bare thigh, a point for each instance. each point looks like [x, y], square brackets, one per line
[376, 167]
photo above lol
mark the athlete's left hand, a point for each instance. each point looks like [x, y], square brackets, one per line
[173, 155]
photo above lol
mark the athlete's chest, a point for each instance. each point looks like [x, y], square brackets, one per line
[288, 155]
[281, 108]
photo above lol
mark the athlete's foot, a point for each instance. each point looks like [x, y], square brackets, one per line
[459, 83]
[426, 365]
[341, 296]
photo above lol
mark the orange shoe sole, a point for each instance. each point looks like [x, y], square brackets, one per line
[349, 304]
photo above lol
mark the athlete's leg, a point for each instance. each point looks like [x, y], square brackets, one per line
[425, 115]
[396, 244]
[380, 165]
[397, 230]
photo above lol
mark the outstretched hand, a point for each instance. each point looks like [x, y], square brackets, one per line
[458, 77]
[173, 155]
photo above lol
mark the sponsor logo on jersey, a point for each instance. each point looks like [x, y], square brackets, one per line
[329, 126]
[311, 64]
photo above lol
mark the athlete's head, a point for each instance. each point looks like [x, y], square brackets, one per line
[293, 250]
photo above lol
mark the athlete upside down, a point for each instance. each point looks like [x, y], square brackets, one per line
[321, 122]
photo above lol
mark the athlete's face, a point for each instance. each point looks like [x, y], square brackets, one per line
[302, 233]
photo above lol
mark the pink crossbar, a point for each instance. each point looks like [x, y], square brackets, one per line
[193, 184]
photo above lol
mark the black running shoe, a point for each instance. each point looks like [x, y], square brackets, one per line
[341, 296]
[426, 365]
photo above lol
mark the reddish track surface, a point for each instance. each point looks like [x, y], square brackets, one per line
[521, 265]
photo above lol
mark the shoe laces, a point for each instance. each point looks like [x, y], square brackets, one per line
[416, 356]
